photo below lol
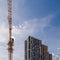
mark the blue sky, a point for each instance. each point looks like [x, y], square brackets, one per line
[38, 18]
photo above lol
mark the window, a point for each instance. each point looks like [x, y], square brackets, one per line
[29, 54]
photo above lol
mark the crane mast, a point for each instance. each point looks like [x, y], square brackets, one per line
[10, 18]
[10, 42]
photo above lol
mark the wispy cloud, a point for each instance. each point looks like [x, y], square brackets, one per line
[3, 32]
[40, 24]
[30, 26]
[58, 48]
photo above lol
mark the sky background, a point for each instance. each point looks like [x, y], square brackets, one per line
[38, 18]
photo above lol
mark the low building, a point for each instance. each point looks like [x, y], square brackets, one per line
[50, 56]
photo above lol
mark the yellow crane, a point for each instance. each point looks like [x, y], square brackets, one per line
[11, 40]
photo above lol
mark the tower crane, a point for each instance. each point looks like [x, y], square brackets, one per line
[11, 40]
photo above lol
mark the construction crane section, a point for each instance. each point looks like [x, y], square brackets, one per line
[11, 40]
[10, 18]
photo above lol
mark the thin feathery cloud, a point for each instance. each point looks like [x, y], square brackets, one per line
[26, 28]
[58, 48]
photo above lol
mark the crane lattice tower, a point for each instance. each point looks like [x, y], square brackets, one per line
[10, 42]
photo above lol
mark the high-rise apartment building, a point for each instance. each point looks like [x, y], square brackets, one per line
[32, 49]
[35, 50]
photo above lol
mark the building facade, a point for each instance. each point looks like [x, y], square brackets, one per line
[32, 49]
[50, 56]
[44, 52]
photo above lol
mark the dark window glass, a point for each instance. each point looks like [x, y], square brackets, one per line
[29, 54]
[29, 45]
